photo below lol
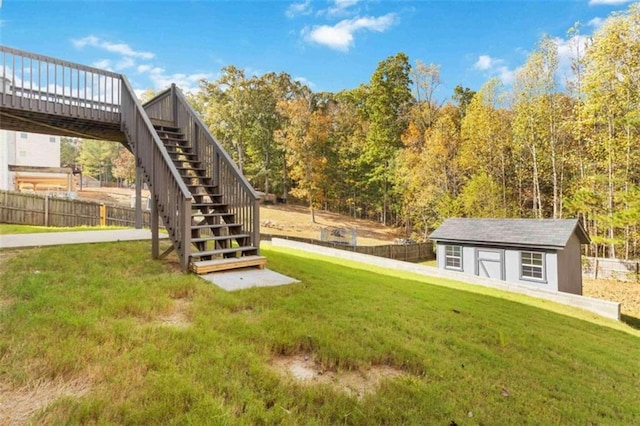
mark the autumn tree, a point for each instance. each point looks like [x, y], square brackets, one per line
[486, 146]
[96, 158]
[305, 137]
[387, 102]
[124, 165]
[611, 110]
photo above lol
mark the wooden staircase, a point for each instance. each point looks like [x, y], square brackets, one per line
[219, 240]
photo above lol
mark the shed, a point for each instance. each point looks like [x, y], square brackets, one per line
[538, 252]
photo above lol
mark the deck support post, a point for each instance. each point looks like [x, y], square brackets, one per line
[138, 216]
[155, 246]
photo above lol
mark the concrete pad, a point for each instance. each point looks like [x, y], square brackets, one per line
[80, 237]
[247, 278]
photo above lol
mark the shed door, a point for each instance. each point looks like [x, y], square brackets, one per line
[490, 263]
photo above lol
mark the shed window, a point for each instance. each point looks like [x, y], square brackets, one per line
[532, 265]
[453, 257]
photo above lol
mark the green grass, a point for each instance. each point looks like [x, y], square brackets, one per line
[89, 311]
[7, 228]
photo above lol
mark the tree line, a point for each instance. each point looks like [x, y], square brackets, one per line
[545, 147]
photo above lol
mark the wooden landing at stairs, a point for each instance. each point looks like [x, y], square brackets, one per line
[216, 265]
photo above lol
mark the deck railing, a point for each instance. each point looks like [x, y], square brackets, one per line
[171, 106]
[39, 83]
[166, 186]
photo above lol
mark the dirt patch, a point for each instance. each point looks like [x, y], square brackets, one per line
[291, 220]
[119, 196]
[305, 370]
[5, 255]
[177, 316]
[627, 293]
[17, 405]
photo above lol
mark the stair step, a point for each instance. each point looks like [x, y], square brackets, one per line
[195, 169]
[222, 251]
[216, 265]
[198, 205]
[203, 185]
[186, 154]
[217, 226]
[219, 238]
[187, 160]
[175, 131]
[220, 215]
[176, 145]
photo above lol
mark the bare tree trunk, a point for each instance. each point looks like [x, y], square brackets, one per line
[537, 199]
[612, 246]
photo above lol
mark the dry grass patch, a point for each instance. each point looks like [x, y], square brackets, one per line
[305, 370]
[177, 316]
[625, 292]
[18, 404]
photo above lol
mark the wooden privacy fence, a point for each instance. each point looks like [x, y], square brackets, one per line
[39, 210]
[418, 252]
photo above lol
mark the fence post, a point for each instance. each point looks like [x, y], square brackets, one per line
[46, 210]
[103, 215]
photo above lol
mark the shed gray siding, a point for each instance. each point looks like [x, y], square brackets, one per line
[510, 265]
[570, 267]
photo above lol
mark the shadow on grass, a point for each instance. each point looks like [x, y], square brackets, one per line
[630, 321]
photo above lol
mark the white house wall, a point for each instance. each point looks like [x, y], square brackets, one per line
[26, 149]
[7, 156]
[35, 150]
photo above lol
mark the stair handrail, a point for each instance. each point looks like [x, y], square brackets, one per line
[227, 158]
[172, 195]
[172, 106]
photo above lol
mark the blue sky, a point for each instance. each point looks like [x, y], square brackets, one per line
[329, 45]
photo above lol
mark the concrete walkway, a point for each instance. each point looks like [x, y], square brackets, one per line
[79, 237]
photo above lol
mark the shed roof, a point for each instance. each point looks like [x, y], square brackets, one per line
[543, 233]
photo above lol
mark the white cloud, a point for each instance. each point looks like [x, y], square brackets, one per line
[144, 68]
[340, 36]
[567, 51]
[186, 82]
[483, 62]
[608, 2]
[495, 66]
[305, 81]
[341, 7]
[104, 64]
[119, 48]
[296, 9]
[596, 23]
[124, 63]
[506, 75]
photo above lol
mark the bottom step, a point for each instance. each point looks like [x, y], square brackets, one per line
[216, 265]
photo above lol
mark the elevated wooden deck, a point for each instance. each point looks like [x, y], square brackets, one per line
[209, 209]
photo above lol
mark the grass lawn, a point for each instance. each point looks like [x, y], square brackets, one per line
[7, 228]
[103, 334]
